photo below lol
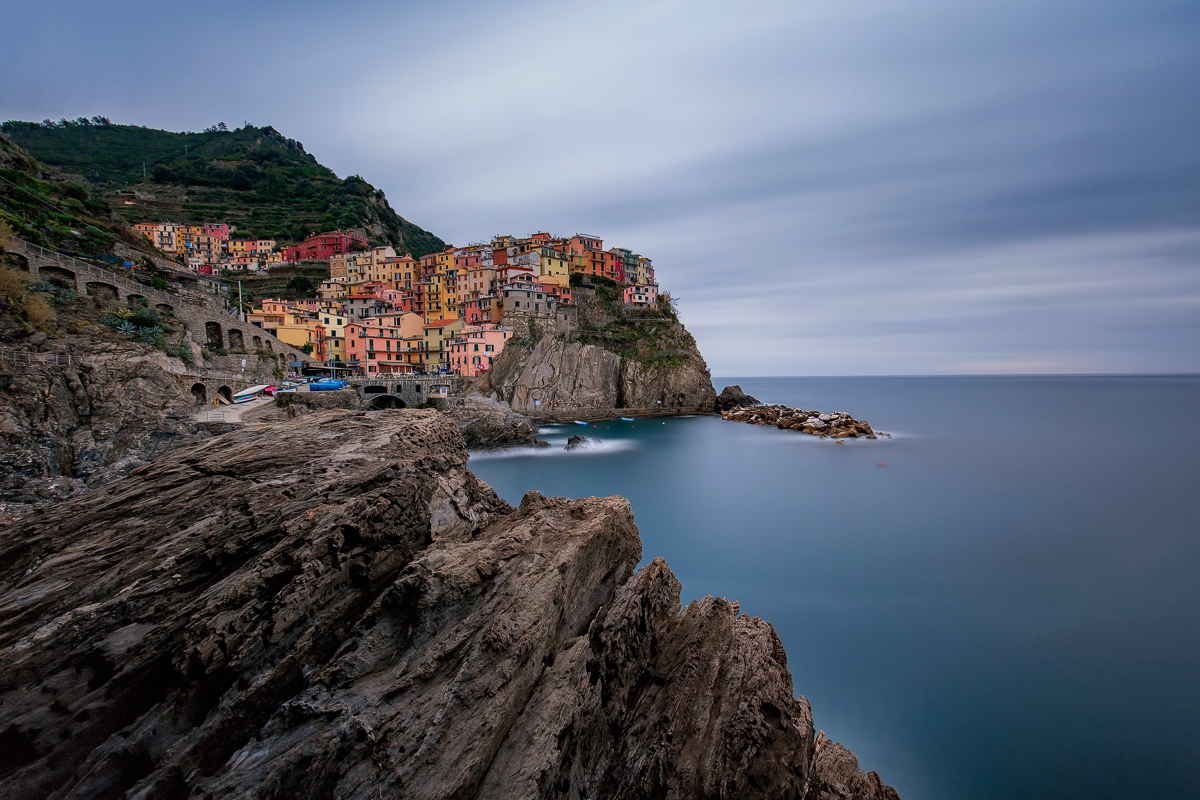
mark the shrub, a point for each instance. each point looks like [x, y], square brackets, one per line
[207, 356]
[36, 310]
[14, 284]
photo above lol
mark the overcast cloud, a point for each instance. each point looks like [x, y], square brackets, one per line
[851, 187]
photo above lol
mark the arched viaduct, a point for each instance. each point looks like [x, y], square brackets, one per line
[210, 324]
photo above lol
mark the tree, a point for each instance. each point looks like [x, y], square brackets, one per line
[301, 287]
[240, 181]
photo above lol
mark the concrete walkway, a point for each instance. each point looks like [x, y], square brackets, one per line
[232, 413]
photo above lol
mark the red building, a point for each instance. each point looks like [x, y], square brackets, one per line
[322, 246]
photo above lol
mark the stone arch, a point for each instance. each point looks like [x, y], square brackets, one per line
[375, 389]
[267, 342]
[135, 300]
[58, 276]
[258, 343]
[200, 392]
[165, 308]
[212, 332]
[236, 342]
[103, 291]
[226, 392]
[387, 401]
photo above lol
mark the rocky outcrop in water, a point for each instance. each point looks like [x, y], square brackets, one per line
[335, 606]
[559, 379]
[837, 424]
[580, 442]
[732, 397]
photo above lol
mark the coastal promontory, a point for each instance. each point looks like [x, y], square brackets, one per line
[335, 606]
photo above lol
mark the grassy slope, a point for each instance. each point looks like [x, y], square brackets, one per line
[254, 178]
[40, 207]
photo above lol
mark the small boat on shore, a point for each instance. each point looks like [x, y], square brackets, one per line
[577, 422]
[628, 419]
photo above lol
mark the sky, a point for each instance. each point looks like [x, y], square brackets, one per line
[859, 187]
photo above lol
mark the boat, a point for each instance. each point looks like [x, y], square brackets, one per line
[628, 419]
[253, 393]
[577, 422]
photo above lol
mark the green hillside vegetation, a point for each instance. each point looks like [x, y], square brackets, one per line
[254, 178]
[652, 336]
[41, 207]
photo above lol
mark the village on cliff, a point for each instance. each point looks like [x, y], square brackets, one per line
[449, 312]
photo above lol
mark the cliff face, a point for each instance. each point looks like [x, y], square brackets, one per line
[560, 377]
[334, 606]
[66, 428]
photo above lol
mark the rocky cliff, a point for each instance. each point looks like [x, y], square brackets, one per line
[558, 377]
[334, 606]
[609, 359]
[65, 428]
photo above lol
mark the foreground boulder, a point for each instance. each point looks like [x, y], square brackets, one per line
[732, 397]
[335, 606]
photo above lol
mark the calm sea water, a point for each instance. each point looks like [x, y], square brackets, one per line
[1010, 608]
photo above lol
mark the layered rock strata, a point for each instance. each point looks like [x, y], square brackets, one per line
[335, 606]
[837, 424]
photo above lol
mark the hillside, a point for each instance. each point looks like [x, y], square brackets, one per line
[254, 178]
[41, 207]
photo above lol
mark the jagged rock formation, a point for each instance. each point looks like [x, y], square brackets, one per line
[579, 442]
[487, 424]
[732, 397]
[557, 378]
[335, 606]
[66, 428]
[835, 775]
[836, 424]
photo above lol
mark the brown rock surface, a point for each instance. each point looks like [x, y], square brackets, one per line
[67, 428]
[557, 377]
[836, 424]
[335, 606]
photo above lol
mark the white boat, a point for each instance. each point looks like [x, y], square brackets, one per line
[577, 422]
[628, 419]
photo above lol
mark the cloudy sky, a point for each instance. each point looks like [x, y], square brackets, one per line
[849, 187]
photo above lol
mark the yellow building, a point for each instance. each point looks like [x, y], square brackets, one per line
[437, 335]
[554, 266]
[334, 324]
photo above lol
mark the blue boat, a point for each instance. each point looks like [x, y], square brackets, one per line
[627, 419]
[577, 422]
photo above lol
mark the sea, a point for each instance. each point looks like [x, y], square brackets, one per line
[1002, 600]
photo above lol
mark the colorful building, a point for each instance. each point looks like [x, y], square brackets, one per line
[641, 296]
[324, 246]
[473, 350]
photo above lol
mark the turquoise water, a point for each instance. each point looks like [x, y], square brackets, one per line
[1007, 609]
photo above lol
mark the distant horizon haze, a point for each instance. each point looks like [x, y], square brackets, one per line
[860, 188]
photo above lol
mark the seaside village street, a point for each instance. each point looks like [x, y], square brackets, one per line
[380, 313]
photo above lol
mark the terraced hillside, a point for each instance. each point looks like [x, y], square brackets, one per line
[255, 178]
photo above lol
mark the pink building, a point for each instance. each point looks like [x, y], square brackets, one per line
[641, 296]
[374, 349]
[473, 350]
